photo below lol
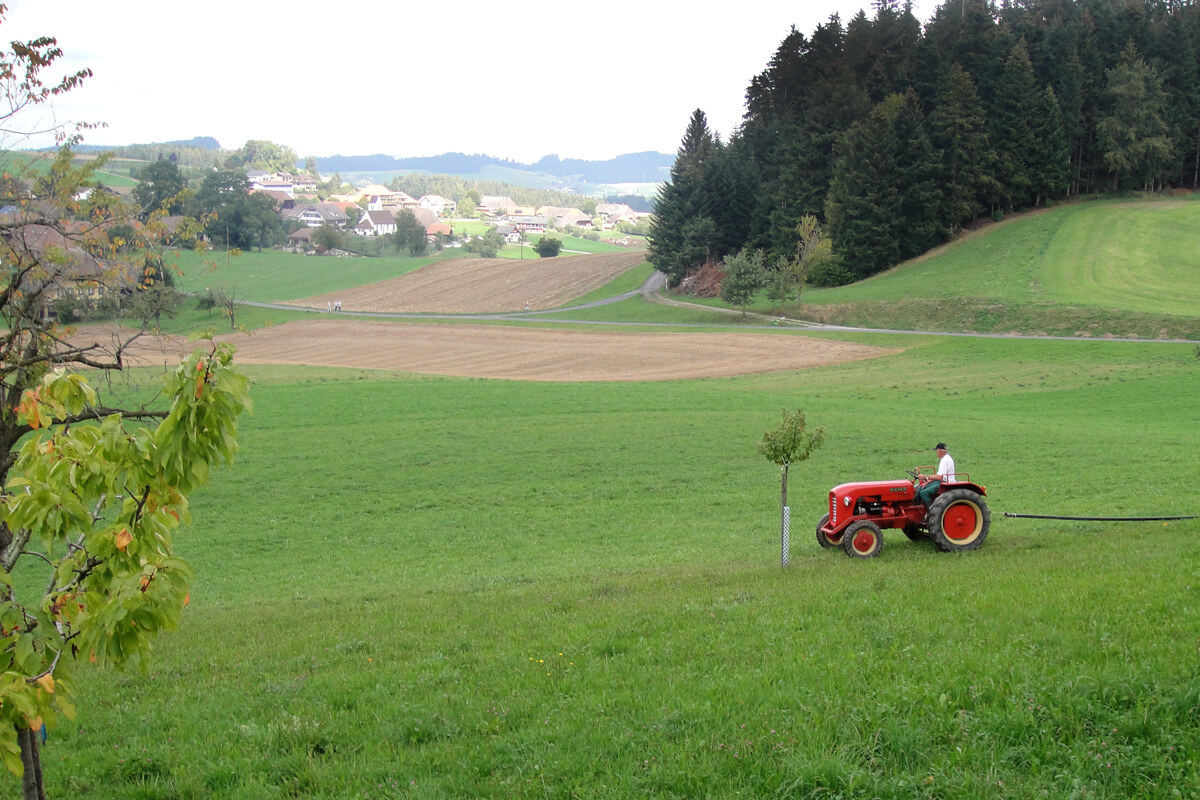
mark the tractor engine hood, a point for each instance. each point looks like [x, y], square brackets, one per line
[887, 491]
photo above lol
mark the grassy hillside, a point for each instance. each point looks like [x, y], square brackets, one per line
[272, 275]
[441, 588]
[31, 165]
[1123, 268]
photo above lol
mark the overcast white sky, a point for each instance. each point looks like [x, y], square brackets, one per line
[516, 80]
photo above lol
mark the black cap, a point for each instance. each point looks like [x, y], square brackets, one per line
[941, 446]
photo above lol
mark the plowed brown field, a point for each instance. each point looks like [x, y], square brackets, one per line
[480, 285]
[494, 351]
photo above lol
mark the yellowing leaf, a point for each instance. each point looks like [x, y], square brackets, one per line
[123, 539]
[46, 682]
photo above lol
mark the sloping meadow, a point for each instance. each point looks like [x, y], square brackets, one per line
[436, 587]
[1123, 268]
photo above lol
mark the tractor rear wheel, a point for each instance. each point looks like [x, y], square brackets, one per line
[862, 539]
[959, 520]
[826, 541]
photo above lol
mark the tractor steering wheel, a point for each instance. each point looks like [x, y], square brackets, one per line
[915, 475]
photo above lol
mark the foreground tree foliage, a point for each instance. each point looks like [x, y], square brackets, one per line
[91, 497]
[896, 136]
[93, 509]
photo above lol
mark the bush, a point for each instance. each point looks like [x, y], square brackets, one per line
[830, 272]
[548, 246]
[206, 302]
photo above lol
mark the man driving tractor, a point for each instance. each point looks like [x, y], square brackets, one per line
[945, 472]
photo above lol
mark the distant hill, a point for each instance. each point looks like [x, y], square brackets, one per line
[197, 142]
[647, 167]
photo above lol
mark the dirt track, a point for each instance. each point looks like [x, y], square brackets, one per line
[493, 351]
[483, 285]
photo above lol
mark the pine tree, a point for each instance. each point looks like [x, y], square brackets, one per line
[864, 201]
[958, 129]
[1050, 161]
[1016, 101]
[921, 224]
[1133, 134]
[676, 233]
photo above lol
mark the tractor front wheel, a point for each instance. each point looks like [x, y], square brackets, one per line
[959, 520]
[862, 539]
[826, 541]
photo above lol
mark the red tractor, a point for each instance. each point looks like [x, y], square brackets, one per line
[957, 519]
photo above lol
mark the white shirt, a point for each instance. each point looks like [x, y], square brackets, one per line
[946, 468]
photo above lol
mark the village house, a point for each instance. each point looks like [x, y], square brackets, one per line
[301, 237]
[492, 205]
[381, 198]
[438, 204]
[314, 215]
[615, 213]
[528, 224]
[261, 181]
[565, 217]
[511, 235]
[376, 223]
[76, 273]
[304, 184]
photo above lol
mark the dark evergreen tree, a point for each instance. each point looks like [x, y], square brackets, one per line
[1027, 101]
[732, 185]
[683, 234]
[958, 130]
[962, 32]
[1174, 57]
[1017, 98]
[864, 202]
[1133, 134]
[1050, 160]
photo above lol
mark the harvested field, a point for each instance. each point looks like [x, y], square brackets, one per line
[494, 351]
[482, 285]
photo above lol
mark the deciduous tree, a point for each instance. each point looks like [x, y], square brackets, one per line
[744, 275]
[789, 444]
[160, 186]
[410, 233]
[91, 498]
[262, 154]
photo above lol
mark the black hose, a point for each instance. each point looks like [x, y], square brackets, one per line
[1100, 519]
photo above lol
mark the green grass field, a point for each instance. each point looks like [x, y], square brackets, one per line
[271, 276]
[1119, 267]
[424, 587]
[440, 588]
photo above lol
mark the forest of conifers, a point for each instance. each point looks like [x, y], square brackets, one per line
[896, 134]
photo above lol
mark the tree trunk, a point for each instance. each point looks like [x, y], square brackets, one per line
[1196, 162]
[31, 781]
[784, 490]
